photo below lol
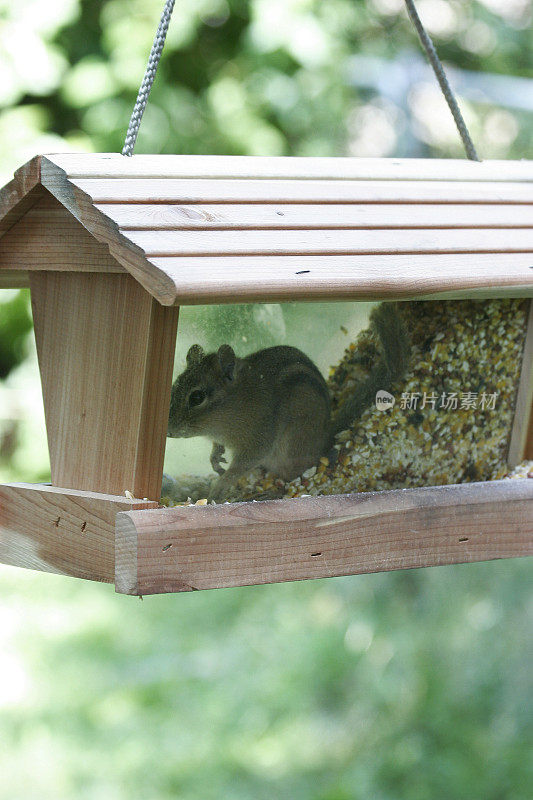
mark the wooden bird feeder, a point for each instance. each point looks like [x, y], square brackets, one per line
[112, 246]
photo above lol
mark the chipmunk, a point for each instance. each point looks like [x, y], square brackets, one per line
[272, 409]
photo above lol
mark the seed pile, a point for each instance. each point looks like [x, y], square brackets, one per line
[453, 410]
[523, 470]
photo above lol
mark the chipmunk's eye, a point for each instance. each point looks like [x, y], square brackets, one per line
[196, 398]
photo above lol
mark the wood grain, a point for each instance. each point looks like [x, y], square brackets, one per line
[106, 352]
[232, 279]
[167, 190]
[58, 530]
[113, 165]
[181, 549]
[106, 231]
[239, 216]
[331, 242]
[17, 196]
[48, 237]
[14, 279]
[521, 443]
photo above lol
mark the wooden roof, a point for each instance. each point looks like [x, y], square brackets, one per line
[205, 229]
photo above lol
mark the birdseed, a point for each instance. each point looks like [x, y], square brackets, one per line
[452, 416]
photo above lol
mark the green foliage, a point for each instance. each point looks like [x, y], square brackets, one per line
[401, 686]
[15, 324]
[264, 77]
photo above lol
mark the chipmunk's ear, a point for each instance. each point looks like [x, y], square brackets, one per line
[195, 355]
[226, 359]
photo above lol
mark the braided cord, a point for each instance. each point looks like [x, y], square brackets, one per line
[438, 69]
[159, 42]
[149, 75]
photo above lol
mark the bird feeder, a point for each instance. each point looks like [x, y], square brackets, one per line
[112, 246]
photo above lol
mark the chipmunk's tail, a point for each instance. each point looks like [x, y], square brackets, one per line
[390, 367]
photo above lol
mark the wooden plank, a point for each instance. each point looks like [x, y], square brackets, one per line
[17, 196]
[59, 530]
[521, 444]
[167, 190]
[106, 352]
[14, 279]
[238, 544]
[221, 216]
[113, 165]
[331, 242]
[159, 366]
[48, 237]
[231, 279]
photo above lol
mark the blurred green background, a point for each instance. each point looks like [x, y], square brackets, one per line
[414, 685]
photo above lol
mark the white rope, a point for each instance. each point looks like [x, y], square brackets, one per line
[149, 75]
[446, 89]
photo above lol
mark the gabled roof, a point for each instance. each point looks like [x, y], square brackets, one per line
[204, 229]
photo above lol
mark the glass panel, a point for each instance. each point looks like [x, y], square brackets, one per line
[376, 396]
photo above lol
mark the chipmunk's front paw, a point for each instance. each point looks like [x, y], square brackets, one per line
[217, 458]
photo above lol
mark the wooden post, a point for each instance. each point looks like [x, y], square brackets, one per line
[106, 352]
[521, 441]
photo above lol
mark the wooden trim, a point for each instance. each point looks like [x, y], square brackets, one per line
[61, 530]
[106, 353]
[14, 279]
[333, 242]
[187, 548]
[521, 442]
[350, 216]
[18, 196]
[168, 190]
[234, 279]
[113, 165]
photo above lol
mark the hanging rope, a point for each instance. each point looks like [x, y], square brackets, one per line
[149, 75]
[159, 42]
[438, 69]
